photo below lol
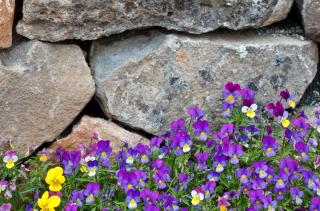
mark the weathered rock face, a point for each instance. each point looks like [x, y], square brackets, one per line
[6, 21]
[108, 130]
[43, 88]
[89, 20]
[147, 80]
[310, 12]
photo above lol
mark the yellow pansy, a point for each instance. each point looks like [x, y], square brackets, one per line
[47, 203]
[55, 179]
[250, 111]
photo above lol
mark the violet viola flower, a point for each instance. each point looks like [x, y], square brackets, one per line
[288, 98]
[5, 207]
[231, 92]
[227, 109]
[127, 180]
[275, 110]
[104, 151]
[317, 162]
[149, 197]
[247, 94]
[143, 151]
[257, 183]
[219, 162]
[178, 125]
[283, 119]
[208, 189]
[131, 156]
[302, 125]
[315, 204]
[69, 161]
[201, 130]
[227, 129]
[223, 202]
[213, 176]
[260, 167]
[3, 185]
[10, 157]
[202, 158]
[155, 142]
[280, 181]
[195, 113]
[269, 146]
[161, 177]
[150, 207]
[71, 207]
[77, 196]
[170, 203]
[280, 192]
[296, 195]
[92, 167]
[234, 152]
[269, 204]
[133, 198]
[184, 179]
[256, 199]
[141, 177]
[91, 191]
[244, 174]
[181, 143]
[288, 165]
[251, 131]
[303, 150]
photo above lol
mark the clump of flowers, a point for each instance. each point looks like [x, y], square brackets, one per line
[261, 158]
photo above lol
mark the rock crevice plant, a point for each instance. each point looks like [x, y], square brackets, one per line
[259, 159]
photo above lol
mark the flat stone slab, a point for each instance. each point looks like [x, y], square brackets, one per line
[43, 88]
[146, 80]
[55, 20]
[107, 130]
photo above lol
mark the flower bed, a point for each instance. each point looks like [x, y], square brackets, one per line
[259, 159]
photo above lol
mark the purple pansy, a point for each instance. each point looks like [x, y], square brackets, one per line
[104, 151]
[202, 158]
[234, 151]
[303, 150]
[244, 174]
[256, 199]
[219, 162]
[201, 130]
[296, 195]
[195, 113]
[133, 198]
[269, 146]
[77, 197]
[91, 191]
[260, 168]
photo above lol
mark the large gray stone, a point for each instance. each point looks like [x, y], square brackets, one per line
[147, 80]
[55, 20]
[310, 12]
[42, 89]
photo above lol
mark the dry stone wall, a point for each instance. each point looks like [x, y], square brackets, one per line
[181, 55]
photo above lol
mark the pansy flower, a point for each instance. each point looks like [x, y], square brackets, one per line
[280, 181]
[195, 113]
[143, 152]
[127, 180]
[71, 207]
[283, 119]
[149, 197]
[231, 92]
[197, 196]
[3, 185]
[43, 155]
[288, 98]
[208, 188]
[104, 151]
[269, 146]
[202, 158]
[244, 174]
[48, 203]
[303, 150]
[131, 156]
[155, 142]
[91, 191]
[141, 177]
[201, 130]
[315, 204]
[257, 183]
[77, 197]
[275, 110]
[234, 151]
[280, 192]
[219, 162]
[5, 207]
[223, 202]
[10, 157]
[184, 179]
[92, 168]
[178, 125]
[296, 195]
[55, 179]
[69, 161]
[213, 176]
[257, 199]
[170, 203]
[133, 198]
[269, 204]
[260, 167]
[302, 125]
[250, 111]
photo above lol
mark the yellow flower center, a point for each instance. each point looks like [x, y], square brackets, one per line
[195, 200]
[234, 156]
[292, 104]
[280, 193]
[269, 149]
[160, 182]
[223, 208]
[132, 202]
[262, 172]
[83, 168]
[43, 157]
[10, 164]
[91, 196]
[203, 134]
[280, 181]
[230, 99]
[257, 202]
[129, 186]
[251, 113]
[103, 154]
[285, 122]
[186, 148]
[303, 154]
[144, 157]
[243, 177]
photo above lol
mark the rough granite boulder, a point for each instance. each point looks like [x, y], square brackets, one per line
[43, 88]
[88, 20]
[310, 12]
[147, 80]
[107, 130]
[6, 22]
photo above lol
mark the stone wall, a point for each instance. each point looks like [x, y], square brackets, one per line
[141, 63]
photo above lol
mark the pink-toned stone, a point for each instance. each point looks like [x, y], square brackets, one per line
[82, 133]
[6, 22]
